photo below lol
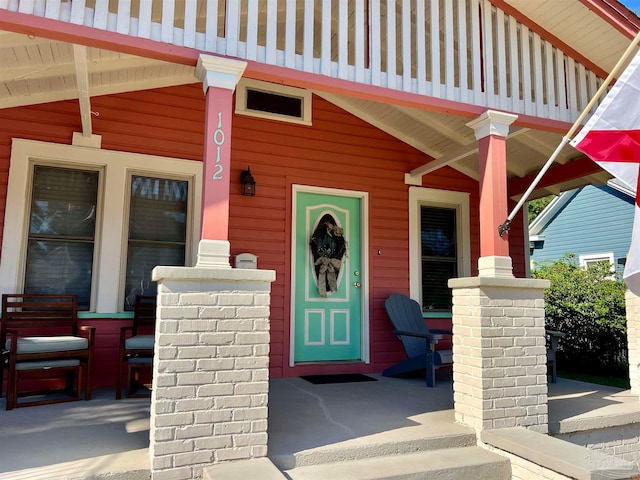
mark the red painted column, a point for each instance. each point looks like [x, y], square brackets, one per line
[491, 130]
[219, 77]
[217, 164]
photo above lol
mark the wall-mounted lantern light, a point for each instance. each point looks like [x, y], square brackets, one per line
[247, 183]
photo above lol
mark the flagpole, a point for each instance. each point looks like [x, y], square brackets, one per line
[565, 139]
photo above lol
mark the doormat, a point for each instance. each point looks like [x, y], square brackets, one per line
[341, 378]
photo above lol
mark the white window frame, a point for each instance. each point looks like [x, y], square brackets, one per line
[595, 257]
[111, 230]
[248, 84]
[430, 197]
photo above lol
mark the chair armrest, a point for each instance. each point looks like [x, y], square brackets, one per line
[432, 337]
[13, 342]
[92, 333]
[440, 331]
[555, 333]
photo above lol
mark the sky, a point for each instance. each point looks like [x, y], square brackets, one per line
[633, 5]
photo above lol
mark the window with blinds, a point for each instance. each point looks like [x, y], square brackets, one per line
[157, 231]
[439, 256]
[62, 224]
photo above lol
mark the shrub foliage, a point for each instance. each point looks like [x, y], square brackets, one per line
[588, 305]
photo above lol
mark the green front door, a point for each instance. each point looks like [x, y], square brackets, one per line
[327, 324]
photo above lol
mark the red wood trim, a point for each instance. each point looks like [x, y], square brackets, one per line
[616, 15]
[555, 41]
[578, 168]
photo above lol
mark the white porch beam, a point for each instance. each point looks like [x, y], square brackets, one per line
[82, 83]
[444, 160]
[453, 157]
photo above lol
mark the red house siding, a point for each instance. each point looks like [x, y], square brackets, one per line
[338, 151]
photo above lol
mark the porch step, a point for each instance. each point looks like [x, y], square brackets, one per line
[407, 441]
[443, 464]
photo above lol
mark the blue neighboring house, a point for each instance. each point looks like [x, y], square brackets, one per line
[593, 222]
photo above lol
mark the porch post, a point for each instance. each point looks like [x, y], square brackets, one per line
[219, 78]
[499, 353]
[632, 297]
[491, 129]
[210, 370]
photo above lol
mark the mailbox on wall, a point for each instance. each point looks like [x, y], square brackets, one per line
[247, 261]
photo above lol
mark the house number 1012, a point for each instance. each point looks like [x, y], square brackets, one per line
[218, 139]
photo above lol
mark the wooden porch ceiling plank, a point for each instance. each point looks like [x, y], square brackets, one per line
[536, 145]
[442, 129]
[82, 83]
[62, 68]
[386, 126]
[124, 85]
[578, 168]
[619, 18]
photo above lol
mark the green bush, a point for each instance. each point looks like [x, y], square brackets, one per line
[588, 305]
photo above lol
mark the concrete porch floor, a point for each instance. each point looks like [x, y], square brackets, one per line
[107, 439]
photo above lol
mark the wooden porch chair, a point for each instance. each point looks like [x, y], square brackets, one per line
[417, 339]
[136, 346]
[54, 348]
[553, 337]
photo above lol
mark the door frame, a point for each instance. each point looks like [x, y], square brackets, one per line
[364, 263]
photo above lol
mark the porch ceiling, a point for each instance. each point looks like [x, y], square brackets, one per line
[37, 70]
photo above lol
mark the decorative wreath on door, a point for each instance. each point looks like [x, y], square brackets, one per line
[328, 248]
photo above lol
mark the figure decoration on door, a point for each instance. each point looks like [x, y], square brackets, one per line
[328, 248]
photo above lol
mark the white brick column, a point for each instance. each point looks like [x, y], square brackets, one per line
[211, 369]
[633, 338]
[499, 353]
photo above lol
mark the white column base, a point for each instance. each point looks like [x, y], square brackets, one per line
[495, 267]
[213, 254]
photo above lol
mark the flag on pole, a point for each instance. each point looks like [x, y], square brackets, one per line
[611, 138]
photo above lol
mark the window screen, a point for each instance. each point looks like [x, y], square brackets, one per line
[439, 256]
[62, 223]
[157, 231]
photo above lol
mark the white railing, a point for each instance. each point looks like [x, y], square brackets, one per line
[461, 50]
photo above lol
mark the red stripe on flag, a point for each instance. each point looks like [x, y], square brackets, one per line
[612, 145]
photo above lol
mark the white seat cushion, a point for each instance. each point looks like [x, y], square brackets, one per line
[47, 364]
[140, 342]
[49, 344]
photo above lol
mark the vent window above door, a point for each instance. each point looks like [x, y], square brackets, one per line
[277, 102]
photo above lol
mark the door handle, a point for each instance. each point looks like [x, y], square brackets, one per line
[356, 284]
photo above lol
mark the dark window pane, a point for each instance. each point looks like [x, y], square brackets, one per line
[63, 202]
[436, 295]
[141, 259]
[157, 232]
[62, 224]
[60, 267]
[273, 103]
[438, 232]
[439, 256]
[158, 209]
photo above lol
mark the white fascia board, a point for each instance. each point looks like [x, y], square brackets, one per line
[542, 220]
